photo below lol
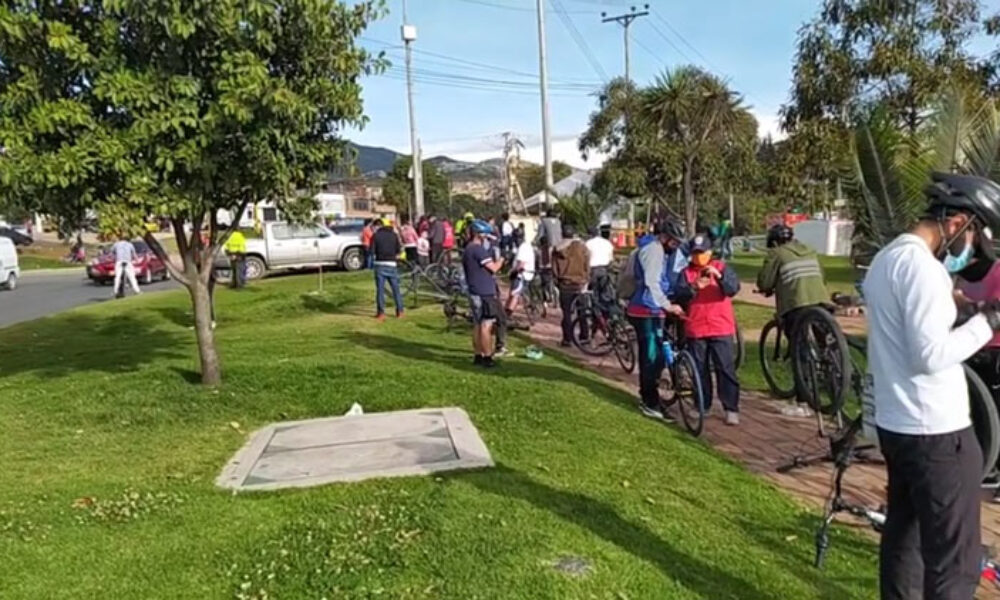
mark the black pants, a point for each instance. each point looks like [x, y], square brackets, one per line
[715, 358]
[501, 326]
[566, 298]
[238, 271]
[649, 338]
[789, 327]
[930, 545]
[436, 251]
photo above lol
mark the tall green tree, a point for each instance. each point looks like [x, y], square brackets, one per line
[397, 189]
[532, 176]
[696, 115]
[899, 55]
[177, 110]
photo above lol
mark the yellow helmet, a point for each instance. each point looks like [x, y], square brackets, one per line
[469, 215]
[386, 222]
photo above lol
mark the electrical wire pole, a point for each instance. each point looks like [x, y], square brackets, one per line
[625, 21]
[409, 35]
[543, 78]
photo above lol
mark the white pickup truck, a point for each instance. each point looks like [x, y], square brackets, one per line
[291, 246]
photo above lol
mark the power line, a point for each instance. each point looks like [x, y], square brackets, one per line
[685, 42]
[470, 63]
[581, 42]
[671, 42]
[480, 80]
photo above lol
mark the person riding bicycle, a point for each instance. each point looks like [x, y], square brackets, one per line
[931, 540]
[655, 265]
[792, 273]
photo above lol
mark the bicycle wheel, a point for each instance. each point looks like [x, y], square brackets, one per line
[822, 362]
[624, 344]
[776, 361]
[985, 419]
[591, 335]
[688, 391]
[739, 349]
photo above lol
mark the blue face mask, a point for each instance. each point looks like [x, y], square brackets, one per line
[954, 264]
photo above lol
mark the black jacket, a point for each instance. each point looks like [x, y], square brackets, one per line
[386, 245]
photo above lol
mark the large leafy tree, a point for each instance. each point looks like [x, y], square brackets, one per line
[397, 188]
[177, 109]
[899, 55]
[532, 176]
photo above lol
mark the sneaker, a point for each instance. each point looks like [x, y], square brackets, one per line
[478, 360]
[732, 418]
[650, 412]
[400, 314]
[565, 343]
[501, 352]
[380, 318]
[489, 363]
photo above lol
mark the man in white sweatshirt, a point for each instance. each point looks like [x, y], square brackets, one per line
[931, 542]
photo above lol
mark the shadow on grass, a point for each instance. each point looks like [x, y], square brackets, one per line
[705, 579]
[76, 343]
[438, 356]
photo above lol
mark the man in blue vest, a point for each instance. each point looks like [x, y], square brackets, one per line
[659, 259]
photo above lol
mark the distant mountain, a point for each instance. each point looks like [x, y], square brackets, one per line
[375, 162]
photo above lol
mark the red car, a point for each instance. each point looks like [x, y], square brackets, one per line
[148, 266]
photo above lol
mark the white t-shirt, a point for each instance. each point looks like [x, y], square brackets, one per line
[526, 256]
[507, 228]
[602, 252]
[914, 356]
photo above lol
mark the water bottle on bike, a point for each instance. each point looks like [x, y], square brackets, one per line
[668, 352]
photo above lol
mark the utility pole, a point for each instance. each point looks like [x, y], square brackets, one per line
[543, 77]
[625, 21]
[409, 35]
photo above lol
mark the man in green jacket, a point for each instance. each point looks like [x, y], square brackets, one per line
[792, 273]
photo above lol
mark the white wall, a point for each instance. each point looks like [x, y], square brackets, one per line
[827, 237]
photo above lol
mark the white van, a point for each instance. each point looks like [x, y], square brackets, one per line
[9, 271]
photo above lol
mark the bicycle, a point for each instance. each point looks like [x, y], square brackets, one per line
[432, 280]
[842, 448]
[684, 387]
[601, 330]
[816, 361]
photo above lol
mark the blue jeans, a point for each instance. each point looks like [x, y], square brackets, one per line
[385, 273]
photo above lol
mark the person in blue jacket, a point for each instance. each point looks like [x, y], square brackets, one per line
[659, 260]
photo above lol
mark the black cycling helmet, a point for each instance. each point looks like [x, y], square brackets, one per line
[966, 193]
[779, 234]
[670, 227]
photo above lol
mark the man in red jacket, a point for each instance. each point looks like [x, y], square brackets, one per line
[707, 286]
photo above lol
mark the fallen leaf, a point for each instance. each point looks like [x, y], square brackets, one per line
[791, 538]
[83, 502]
[626, 484]
[649, 500]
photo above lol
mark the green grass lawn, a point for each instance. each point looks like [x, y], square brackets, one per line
[30, 262]
[109, 453]
[840, 274]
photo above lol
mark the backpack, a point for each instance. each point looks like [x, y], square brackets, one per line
[626, 286]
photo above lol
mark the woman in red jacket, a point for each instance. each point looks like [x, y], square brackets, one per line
[707, 287]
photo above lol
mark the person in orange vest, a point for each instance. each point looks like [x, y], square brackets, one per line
[367, 234]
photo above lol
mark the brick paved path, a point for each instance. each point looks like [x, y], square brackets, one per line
[766, 439]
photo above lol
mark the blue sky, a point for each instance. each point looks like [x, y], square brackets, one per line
[750, 42]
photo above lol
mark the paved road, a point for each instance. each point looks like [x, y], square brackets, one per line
[42, 293]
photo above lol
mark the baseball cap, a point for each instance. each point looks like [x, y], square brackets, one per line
[700, 243]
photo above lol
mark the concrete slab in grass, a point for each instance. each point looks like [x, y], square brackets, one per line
[352, 448]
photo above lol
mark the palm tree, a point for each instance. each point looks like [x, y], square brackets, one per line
[583, 207]
[694, 113]
[891, 167]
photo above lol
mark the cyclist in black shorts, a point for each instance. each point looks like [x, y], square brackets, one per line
[480, 268]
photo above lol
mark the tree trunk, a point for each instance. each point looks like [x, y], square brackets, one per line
[211, 372]
[690, 209]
